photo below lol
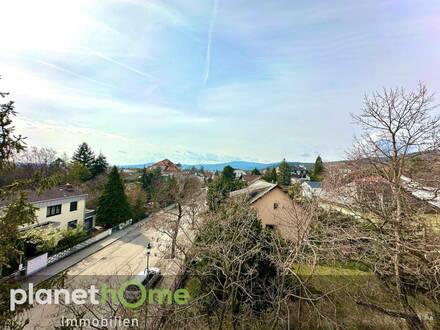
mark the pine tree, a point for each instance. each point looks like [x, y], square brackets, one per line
[318, 169]
[270, 175]
[228, 173]
[284, 174]
[99, 165]
[84, 155]
[113, 207]
[255, 171]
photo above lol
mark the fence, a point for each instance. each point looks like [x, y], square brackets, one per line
[42, 261]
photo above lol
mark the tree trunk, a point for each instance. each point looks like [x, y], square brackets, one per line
[176, 231]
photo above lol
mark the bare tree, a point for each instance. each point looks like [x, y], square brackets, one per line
[395, 125]
[177, 192]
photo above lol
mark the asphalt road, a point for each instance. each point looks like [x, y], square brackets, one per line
[124, 257]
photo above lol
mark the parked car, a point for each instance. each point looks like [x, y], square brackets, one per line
[148, 278]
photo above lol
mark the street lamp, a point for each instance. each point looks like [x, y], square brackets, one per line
[149, 247]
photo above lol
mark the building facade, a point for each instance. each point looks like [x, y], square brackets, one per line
[61, 207]
[274, 207]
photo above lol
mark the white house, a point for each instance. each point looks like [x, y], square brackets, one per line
[61, 207]
[311, 189]
[239, 173]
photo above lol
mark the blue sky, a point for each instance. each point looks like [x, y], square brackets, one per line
[209, 81]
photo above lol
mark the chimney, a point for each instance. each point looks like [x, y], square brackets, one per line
[68, 187]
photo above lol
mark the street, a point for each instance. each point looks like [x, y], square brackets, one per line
[121, 259]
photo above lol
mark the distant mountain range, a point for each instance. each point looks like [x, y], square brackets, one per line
[242, 165]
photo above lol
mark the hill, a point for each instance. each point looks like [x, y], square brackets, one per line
[242, 165]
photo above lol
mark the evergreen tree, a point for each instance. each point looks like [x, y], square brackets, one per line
[255, 171]
[221, 186]
[318, 169]
[284, 174]
[99, 165]
[228, 173]
[151, 181]
[270, 175]
[78, 173]
[113, 207]
[84, 155]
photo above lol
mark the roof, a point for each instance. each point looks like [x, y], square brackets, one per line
[166, 166]
[35, 196]
[429, 194]
[250, 178]
[255, 191]
[313, 184]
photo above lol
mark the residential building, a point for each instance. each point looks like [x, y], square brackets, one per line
[166, 166]
[298, 171]
[311, 189]
[274, 207]
[61, 207]
[239, 173]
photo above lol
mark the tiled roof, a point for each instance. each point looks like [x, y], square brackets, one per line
[166, 166]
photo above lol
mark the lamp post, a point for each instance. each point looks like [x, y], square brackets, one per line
[149, 247]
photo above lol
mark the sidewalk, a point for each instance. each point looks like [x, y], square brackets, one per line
[73, 259]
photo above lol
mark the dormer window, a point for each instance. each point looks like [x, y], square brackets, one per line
[275, 206]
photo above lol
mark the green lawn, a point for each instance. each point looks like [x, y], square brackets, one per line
[339, 289]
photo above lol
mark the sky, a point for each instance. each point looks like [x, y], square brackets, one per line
[209, 81]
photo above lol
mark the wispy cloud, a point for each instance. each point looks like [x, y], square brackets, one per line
[264, 81]
[74, 74]
[112, 60]
[208, 48]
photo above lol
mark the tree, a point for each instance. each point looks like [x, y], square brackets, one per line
[270, 175]
[84, 155]
[78, 173]
[295, 190]
[18, 212]
[99, 165]
[318, 169]
[228, 173]
[284, 174]
[151, 182]
[234, 267]
[403, 252]
[255, 171]
[221, 186]
[113, 207]
[241, 275]
[137, 199]
[10, 144]
[179, 191]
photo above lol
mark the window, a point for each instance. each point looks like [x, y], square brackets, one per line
[72, 224]
[275, 206]
[270, 227]
[88, 223]
[53, 210]
[73, 206]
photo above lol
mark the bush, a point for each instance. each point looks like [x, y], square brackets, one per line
[71, 238]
